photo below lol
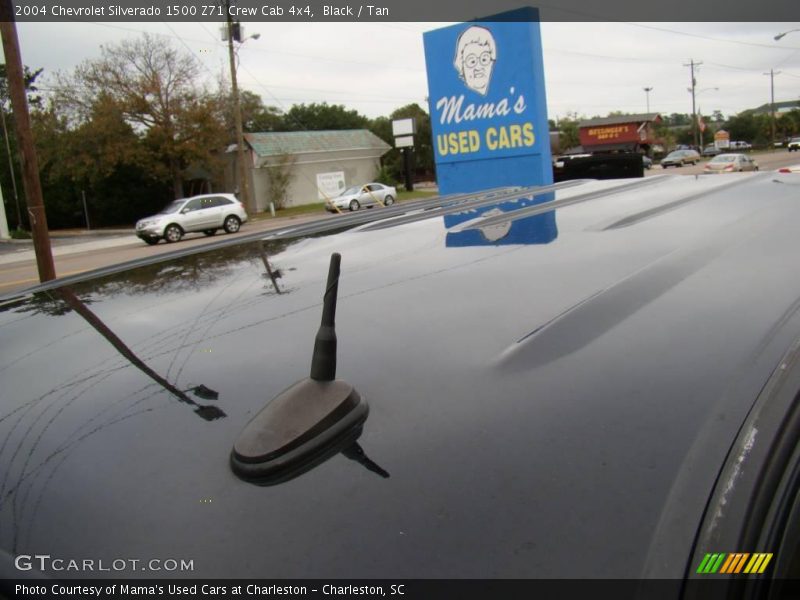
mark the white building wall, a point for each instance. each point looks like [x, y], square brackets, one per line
[358, 167]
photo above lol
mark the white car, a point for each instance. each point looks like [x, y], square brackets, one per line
[357, 196]
[206, 213]
[728, 163]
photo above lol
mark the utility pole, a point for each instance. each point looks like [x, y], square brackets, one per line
[772, 74]
[244, 188]
[647, 91]
[30, 164]
[695, 129]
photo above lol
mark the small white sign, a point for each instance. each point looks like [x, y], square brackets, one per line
[404, 142]
[329, 184]
[403, 127]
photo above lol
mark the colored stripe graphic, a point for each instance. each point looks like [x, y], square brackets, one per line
[704, 564]
[734, 563]
[758, 563]
[740, 563]
[711, 563]
[727, 566]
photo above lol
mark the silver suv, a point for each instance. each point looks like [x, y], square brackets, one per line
[206, 213]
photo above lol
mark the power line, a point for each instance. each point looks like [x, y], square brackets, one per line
[311, 57]
[712, 39]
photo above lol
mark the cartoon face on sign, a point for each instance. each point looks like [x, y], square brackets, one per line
[476, 53]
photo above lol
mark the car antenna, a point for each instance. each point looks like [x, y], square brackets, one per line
[310, 421]
[323, 360]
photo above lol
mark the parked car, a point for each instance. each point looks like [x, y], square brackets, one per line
[367, 195]
[728, 163]
[206, 213]
[678, 158]
[711, 150]
[739, 145]
[794, 144]
[591, 380]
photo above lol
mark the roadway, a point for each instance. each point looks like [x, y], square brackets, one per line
[75, 252]
[767, 161]
[78, 252]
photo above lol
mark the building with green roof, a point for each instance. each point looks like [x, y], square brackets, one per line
[313, 164]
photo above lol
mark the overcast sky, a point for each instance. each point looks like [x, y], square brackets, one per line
[590, 69]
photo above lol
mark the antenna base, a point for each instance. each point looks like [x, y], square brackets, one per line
[303, 426]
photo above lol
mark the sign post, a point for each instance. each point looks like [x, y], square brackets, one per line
[403, 131]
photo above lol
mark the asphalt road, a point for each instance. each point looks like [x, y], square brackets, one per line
[767, 161]
[78, 253]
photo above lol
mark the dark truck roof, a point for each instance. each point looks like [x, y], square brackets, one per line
[553, 402]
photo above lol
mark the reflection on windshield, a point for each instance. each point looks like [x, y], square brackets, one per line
[172, 207]
[348, 191]
[273, 274]
[207, 412]
[179, 276]
[516, 229]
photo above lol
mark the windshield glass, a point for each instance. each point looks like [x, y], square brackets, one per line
[172, 207]
[724, 158]
[352, 190]
[676, 154]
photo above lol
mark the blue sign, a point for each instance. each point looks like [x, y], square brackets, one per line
[536, 229]
[487, 103]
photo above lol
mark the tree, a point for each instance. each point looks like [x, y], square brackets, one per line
[264, 118]
[279, 176]
[318, 117]
[100, 159]
[664, 134]
[676, 119]
[156, 89]
[10, 173]
[256, 116]
[788, 124]
[34, 99]
[568, 132]
[750, 127]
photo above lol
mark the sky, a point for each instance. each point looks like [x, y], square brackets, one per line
[590, 68]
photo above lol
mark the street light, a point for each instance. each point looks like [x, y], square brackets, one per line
[780, 35]
[240, 43]
[647, 91]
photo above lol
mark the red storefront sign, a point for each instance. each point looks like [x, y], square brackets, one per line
[609, 134]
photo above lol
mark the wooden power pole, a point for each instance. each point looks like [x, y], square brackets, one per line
[30, 164]
[244, 187]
